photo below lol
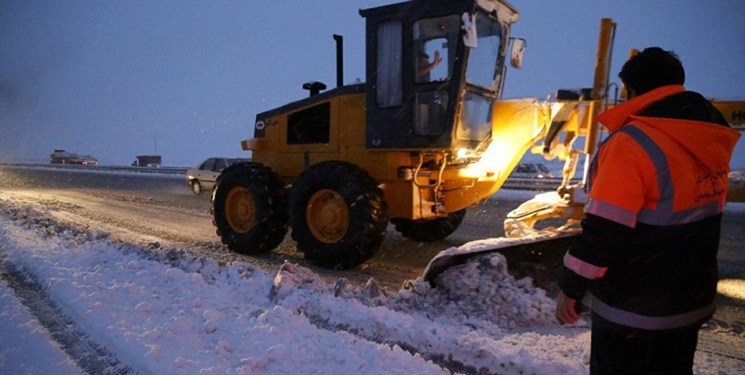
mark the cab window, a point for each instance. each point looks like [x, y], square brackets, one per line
[389, 75]
[484, 59]
[310, 125]
[435, 40]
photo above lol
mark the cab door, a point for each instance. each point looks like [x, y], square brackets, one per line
[414, 71]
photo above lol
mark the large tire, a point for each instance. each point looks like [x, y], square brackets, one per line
[338, 215]
[430, 230]
[249, 205]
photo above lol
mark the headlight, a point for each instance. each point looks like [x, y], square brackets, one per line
[464, 155]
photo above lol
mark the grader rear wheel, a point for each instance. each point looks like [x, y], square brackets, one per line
[249, 206]
[338, 214]
[327, 216]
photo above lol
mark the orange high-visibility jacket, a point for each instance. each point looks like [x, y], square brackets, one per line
[657, 190]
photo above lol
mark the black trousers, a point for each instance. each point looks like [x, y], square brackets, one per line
[622, 350]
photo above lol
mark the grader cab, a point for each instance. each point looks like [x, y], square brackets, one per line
[422, 140]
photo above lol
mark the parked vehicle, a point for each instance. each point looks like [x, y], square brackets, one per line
[531, 170]
[203, 176]
[147, 161]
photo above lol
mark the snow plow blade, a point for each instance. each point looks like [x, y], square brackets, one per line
[546, 249]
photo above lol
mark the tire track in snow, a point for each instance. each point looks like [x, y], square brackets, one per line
[88, 355]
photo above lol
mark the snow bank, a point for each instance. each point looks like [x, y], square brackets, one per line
[172, 314]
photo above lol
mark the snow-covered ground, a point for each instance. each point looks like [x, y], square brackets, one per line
[166, 312]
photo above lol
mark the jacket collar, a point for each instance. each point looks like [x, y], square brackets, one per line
[620, 115]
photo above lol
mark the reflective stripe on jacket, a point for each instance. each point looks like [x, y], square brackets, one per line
[657, 189]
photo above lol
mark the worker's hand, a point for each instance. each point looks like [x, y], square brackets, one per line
[438, 59]
[566, 312]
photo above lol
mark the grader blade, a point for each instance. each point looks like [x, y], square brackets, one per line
[546, 250]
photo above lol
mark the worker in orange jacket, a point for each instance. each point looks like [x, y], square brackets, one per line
[648, 249]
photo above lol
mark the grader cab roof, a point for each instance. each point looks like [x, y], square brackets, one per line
[424, 68]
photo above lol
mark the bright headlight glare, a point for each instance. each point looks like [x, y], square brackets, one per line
[462, 153]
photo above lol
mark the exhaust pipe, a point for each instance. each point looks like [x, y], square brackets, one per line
[316, 87]
[339, 60]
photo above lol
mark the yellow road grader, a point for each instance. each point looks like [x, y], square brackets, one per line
[423, 139]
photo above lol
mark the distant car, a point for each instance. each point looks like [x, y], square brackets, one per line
[531, 170]
[60, 156]
[203, 176]
[87, 160]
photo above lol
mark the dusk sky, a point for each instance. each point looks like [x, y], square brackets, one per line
[185, 79]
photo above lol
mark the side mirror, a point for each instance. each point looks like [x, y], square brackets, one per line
[518, 50]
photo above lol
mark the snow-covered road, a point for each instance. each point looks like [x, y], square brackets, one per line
[168, 312]
[100, 281]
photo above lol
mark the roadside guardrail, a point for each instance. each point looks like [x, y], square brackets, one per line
[121, 168]
[538, 184]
